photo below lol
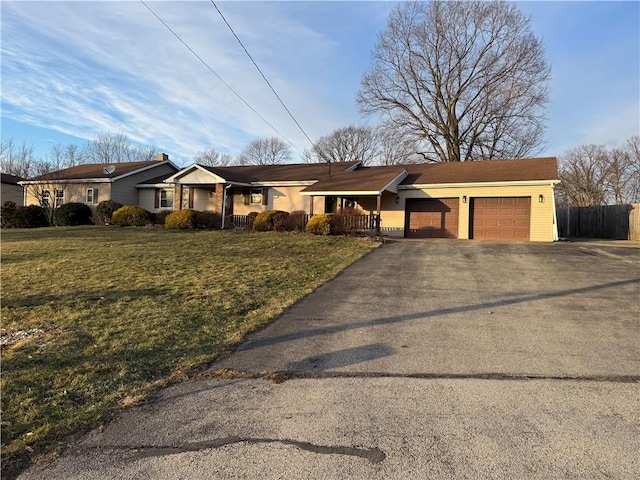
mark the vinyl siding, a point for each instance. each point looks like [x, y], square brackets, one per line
[541, 227]
[12, 193]
[73, 192]
[287, 199]
[124, 190]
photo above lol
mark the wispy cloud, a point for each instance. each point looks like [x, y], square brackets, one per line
[82, 68]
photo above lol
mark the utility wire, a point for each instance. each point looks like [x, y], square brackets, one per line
[263, 75]
[219, 77]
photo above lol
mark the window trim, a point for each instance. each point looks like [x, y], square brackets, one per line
[166, 198]
[45, 200]
[58, 199]
[93, 198]
[258, 193]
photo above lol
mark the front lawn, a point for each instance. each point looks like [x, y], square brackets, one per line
[96, 318]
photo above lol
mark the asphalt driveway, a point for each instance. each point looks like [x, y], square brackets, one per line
[437, 359]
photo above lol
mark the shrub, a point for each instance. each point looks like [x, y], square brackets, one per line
[104, 211]
[320, 224]
[298, 221]
[251, 218]
[181, 220]
[160, 217]
[32, 216]
[8, 214]
[280, 222]
[71, 214]
[264, 221]
[208, 220]
[129, 216]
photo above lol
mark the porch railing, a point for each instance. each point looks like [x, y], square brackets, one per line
[345, 223]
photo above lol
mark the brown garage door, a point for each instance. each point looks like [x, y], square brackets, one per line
[431, 218]
[505, 218]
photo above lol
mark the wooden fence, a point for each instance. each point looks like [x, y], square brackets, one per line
[619, 222]
[344, 223]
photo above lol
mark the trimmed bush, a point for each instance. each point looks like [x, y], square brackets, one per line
[71, 214]
[264, 221]
[298, 221]
[208, 220]
[319, 224]
[181, 220]
[32, 216]
[129, 216]
[160, 217]
[8, 214]
[280, 222]
[104, 211]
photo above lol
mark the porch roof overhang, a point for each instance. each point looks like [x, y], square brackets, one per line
[365, 182]
[196, 174]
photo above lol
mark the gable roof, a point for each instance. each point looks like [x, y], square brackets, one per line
[268, 174]
[363, 181]
[10, 179]
[520, 170]
[97, 170]
[280, 173]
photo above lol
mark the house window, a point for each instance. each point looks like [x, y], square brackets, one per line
[59, 198]
[166, 198]
[92, 195]
[256, 196]
[45, 201]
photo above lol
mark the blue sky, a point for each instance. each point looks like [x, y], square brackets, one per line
[71, 70]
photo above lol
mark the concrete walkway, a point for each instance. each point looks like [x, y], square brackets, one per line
[423, 360]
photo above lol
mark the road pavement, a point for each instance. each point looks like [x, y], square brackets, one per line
[430, 359]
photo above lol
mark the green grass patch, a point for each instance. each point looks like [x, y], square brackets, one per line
[109, 315]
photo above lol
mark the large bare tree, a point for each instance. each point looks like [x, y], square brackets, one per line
[265, 151]
[396, 147]
[347, 144]
[468, 78]
[213, 158]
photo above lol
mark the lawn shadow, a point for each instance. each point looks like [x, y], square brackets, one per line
[97, 296]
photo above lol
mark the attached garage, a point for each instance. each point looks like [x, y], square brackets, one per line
[431, 218]
[500, 218]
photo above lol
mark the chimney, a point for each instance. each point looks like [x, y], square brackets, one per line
[163, 157]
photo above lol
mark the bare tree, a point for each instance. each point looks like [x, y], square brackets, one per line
[15, 159]
[212, 158]
[116, 148]
[396, 147]
[347, 144]
[632, 148]
[265, 151]
[595, 175]
[468, 78]
[584, 173]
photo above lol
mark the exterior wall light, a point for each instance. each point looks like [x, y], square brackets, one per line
[464, 199]
[540, 198]
[397, 200]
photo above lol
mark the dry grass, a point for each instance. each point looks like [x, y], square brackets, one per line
[114, 314]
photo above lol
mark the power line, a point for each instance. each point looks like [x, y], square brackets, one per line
[219, 77]
[261, 73]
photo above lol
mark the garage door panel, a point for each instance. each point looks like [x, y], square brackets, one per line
[431, 218]
[500, 218]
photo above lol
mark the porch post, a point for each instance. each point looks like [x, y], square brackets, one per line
[378, 206]
[311, 206]
[180, 187]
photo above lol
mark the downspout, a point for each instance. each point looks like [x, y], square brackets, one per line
[224, 204]
[555, 215]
